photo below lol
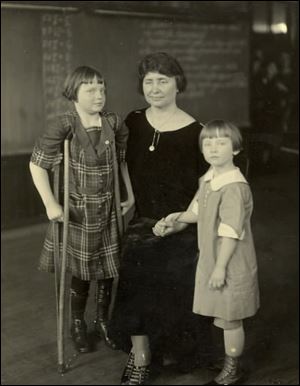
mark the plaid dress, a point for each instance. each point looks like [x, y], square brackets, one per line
[93, 241]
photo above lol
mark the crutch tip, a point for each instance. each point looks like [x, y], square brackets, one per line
[61, 368]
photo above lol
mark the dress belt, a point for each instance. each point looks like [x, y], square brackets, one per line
[87, 190]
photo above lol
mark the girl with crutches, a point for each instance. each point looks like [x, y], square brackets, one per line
[97, 144]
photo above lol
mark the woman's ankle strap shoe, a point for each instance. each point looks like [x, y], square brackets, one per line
[139, 375]
[128, 369]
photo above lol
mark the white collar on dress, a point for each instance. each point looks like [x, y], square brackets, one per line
[226, 178]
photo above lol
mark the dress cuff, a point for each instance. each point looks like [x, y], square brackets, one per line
[43, 160]
[225, 230]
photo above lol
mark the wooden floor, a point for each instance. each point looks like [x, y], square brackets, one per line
[271, 355]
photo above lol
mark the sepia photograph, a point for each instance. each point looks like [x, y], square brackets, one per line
[149, 192]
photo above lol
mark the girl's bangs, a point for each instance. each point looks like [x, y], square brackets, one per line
[89, 76]
[215, 132]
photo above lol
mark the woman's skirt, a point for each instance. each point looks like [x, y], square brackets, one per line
[155, 293]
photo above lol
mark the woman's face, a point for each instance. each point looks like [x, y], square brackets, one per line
[159, 90]
[91, 97]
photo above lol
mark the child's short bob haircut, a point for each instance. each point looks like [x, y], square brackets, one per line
[164, 64]
[220, 128]
[82, 74]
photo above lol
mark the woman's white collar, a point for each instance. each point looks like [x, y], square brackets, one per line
[218, 182]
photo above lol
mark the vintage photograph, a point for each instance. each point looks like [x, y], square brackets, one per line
[149, 192]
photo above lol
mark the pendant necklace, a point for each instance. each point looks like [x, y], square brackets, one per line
[155, 140]
[156, 134]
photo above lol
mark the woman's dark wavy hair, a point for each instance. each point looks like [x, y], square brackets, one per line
[164, 64]
[80, 75]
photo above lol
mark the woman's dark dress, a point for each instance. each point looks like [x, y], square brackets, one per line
[156, 284]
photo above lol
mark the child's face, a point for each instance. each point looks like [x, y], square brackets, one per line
[218, 151]
[91, 97]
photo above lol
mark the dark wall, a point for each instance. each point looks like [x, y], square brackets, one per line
[40, 46]
[20, 202]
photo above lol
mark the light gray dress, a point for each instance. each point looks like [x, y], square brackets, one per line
[224, 209]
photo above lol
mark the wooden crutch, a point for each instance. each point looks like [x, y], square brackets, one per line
[60, 265]
[55, 228]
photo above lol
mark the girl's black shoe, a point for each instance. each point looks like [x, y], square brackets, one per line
[231, 373]
[79, 335]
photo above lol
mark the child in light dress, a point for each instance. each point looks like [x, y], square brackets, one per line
[226, 284]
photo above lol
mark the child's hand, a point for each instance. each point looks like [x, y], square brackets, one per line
[55, 212]
[168, 225]
[171, 219]
[125, 206]
[217, 279]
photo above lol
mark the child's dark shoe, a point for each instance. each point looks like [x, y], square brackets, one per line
[231, 373]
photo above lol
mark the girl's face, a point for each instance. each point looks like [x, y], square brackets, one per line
[218, 152]
[91, 97]
[159, 90]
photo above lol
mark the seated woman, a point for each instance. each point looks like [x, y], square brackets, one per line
[153, 308]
